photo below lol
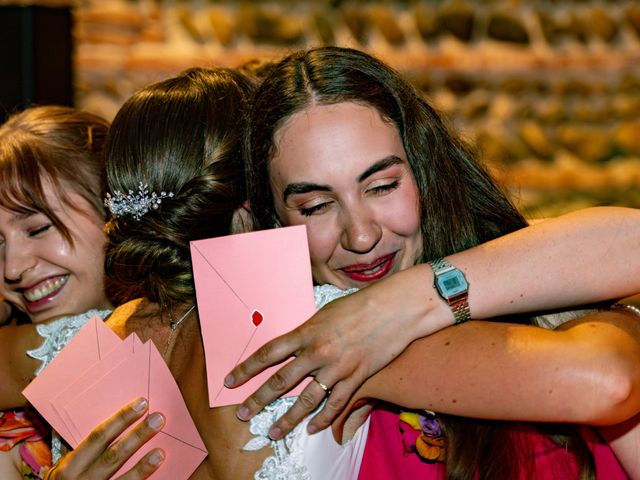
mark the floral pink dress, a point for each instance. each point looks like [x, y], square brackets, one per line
[24, 430]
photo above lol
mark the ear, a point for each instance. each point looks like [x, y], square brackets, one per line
[241, 220]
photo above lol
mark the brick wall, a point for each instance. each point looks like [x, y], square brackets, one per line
[549, 90]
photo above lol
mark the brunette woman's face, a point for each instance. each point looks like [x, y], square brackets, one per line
[45, 276]
[342, 171]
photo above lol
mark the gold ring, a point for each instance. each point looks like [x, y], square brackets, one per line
[322, 385]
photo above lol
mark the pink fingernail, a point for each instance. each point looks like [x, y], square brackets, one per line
[229, 380]
[243, 414]
[155, 421]
[312, 429]
[140, 405]
[156, 457]
[275, 433]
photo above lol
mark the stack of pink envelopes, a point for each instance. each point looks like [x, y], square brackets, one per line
[96, 374]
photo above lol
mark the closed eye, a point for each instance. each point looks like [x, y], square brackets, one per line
[40, 230]
[384, 188]
[307, 212]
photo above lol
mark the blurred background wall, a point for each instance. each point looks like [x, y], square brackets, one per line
[548, 90]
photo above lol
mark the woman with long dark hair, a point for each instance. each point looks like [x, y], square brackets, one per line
[341, 143]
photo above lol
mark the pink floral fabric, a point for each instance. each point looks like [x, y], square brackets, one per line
[24, 430]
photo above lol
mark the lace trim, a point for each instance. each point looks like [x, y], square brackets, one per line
[287, 462]
[328, 293]
[58, 333]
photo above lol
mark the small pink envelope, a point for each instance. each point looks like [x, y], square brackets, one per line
[88, 346]
[144, 374]
[92, 374]
[250, 288]
[88, 384]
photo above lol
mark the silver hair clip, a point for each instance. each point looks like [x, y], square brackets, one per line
[135, 205]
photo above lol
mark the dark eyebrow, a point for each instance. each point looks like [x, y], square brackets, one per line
[297, 188]
[303, 187]
[380, 165]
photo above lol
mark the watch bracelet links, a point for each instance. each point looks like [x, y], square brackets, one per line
[439, 263]
[461, 310]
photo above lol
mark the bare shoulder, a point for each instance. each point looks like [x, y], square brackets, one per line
[119, 320]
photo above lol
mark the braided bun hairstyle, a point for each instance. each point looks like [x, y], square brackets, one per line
[181, 135]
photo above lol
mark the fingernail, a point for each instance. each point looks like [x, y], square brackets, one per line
[275, 433]
[243, 414]
[140, 405]
[229, 380]
[312, 429]
[156, 457]
[155, 421]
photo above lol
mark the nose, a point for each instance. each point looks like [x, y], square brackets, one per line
[17, 260]
[361, 232]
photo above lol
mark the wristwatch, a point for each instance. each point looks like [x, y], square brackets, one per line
[453, 287]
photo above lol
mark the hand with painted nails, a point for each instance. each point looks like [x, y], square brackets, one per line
[99, 457]
[341, 346]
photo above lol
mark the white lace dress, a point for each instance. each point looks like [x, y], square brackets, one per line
[299, 455]
[56, 335]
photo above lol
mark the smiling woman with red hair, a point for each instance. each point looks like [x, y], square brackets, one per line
[51, 254]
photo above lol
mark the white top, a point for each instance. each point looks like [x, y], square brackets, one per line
[300, 455]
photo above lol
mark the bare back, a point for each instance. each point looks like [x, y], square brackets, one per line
[223, 434]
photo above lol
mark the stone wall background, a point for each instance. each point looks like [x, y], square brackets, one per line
[548, 90]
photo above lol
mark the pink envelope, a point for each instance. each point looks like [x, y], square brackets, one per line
[144, 373]
[96, 374]
[250, 288]
[93, 341]
[91, 375]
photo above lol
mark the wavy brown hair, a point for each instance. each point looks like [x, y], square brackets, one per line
[56, 144]
[180, 135]
[460, 205]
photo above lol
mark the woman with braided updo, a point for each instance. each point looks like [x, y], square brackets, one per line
[174, 174]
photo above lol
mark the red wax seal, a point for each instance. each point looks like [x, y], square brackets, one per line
[256, 318]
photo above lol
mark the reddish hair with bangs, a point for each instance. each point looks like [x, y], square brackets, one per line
[55, 144]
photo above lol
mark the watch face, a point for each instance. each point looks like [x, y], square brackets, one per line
[452, 283]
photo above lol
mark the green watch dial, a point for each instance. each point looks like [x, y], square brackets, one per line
[451, 283]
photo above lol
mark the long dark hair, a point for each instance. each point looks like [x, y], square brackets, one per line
[181, 135]
[460, 203]
[62, 145]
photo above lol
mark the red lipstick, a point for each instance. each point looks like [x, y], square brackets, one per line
[370, 272]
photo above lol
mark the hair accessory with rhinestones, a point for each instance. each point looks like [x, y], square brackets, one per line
[134, 204]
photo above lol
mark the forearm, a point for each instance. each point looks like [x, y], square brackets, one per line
[16, 368]
[582, 257]
[585, 374]
[624, 440]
